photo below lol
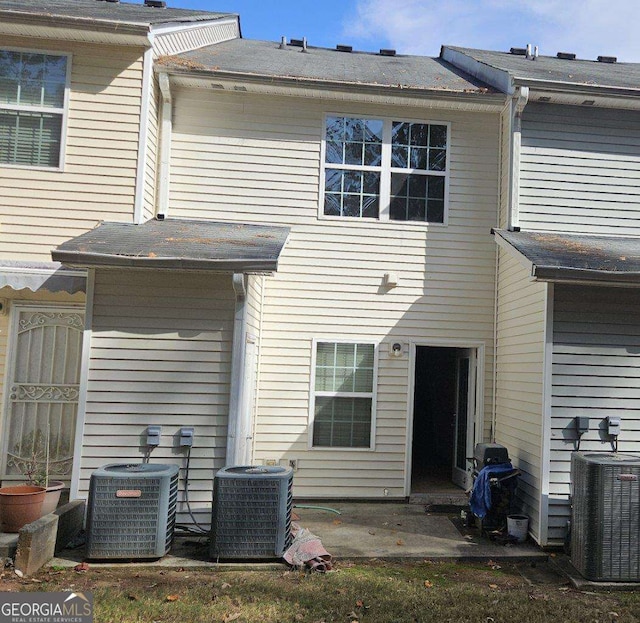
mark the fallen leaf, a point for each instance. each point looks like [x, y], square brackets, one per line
[493, 586]
[399, 542]
[226, 585]
[172, 597]
[18, 573]
[337, 522]
[231, 617]
[359, 603]
[83, 566]
[428, 584]
[552, 554]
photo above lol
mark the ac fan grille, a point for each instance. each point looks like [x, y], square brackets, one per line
[131, 527]
[252, 517]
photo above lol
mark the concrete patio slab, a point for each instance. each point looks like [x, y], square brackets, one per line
[360, 531]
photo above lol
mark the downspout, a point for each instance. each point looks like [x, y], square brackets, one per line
[141, 169]
[166, 127]
[519, 101]
[238, 428]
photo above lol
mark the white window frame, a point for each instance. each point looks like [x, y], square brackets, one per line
[385, 171]
[313, 393]
[64, 111]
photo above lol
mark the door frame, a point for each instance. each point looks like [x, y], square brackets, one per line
[18, 305]
[478, 420]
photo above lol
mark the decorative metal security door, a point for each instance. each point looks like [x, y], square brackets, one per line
[43, 388]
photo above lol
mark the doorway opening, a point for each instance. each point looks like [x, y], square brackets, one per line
[443, 419]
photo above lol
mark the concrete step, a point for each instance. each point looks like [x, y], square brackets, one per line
[453, 498]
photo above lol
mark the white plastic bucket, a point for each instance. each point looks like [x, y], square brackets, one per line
[518, 526]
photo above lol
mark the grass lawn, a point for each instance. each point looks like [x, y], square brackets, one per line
[375, 591]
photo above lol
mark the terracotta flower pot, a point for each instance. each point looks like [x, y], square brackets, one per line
[19, 506]
[52, 497]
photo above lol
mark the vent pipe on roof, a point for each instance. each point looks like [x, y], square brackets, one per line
[304, 45]
[283, 42]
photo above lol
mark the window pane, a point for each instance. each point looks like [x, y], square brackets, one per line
[332, 204]
[372, 154]
[352, 182]
[400, 133]
[437, 159]
[342, 422]
[353, 153]
[326, 354]
[419, 134]
[418, 186]
[416, 209]
[436, 187]
[400, 184]
[370, 207]
[438, 136]
[373, 130]
[351, 205]
[335, 129]
[435, 211]
[9, 76]
[398, 209]
[418, 158]
[31, 139]
[334, 152]
[345, 355]
[399, 156]
[371, 183]
[333, 180]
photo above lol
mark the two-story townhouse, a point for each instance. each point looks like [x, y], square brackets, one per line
[370, 182]
[568, 320]
[78, 145]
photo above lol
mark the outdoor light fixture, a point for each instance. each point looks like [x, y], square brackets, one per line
[396, 349]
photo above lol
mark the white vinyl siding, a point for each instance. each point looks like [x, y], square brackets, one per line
[596, 373]
[330, 274]
[520, 376]
[160, 354]
[40, 209]
[151, 163]
[579, 170]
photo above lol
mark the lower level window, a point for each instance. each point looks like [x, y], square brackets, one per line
[343, 395]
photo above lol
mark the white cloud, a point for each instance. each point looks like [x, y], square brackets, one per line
[587, 27]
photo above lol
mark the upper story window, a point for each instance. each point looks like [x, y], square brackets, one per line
[385, 169]
[33, 101]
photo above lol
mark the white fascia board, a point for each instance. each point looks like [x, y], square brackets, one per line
[497, 78]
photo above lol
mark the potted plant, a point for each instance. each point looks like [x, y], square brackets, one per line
[20, 505]
[36, 471]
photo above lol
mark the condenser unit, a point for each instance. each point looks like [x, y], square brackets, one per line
[131, 511]
[605, 517]
[251, 515]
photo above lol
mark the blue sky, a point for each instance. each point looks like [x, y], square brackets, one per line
[586, 27]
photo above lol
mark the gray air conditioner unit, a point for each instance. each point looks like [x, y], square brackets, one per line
[251, 515]
[605, 516]
[131, 511]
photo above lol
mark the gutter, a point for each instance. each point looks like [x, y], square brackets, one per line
[93, 24]
[89, 260]
[575, 88]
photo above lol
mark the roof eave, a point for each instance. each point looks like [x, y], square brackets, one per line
[331, 85]
[80, 23]
[100, 260]
[559, 274]
[576, 88]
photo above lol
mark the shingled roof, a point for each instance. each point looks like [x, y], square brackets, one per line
[101, 11]
[265, 59]
[578, 72]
